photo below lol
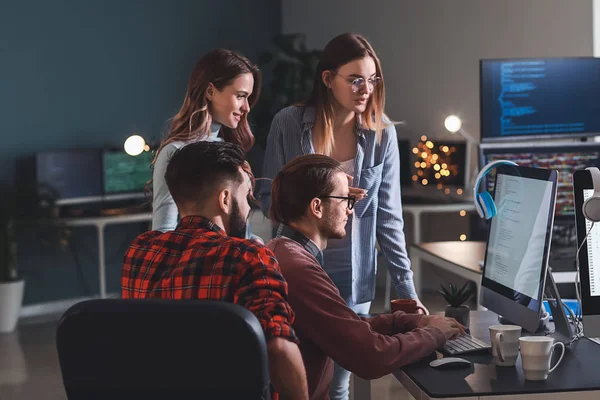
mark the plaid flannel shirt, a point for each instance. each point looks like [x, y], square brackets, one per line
[199, 261]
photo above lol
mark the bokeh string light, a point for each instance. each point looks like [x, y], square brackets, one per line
[434, 163]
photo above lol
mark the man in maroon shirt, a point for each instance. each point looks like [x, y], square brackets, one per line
[310, 199]
[207, 257]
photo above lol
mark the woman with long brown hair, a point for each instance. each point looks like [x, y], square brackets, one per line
[221, 91]
[344, 119]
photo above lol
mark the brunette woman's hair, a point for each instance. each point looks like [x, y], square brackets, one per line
[219, 67]
[298, 183]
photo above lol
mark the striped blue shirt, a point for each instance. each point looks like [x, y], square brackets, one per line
[376, 218]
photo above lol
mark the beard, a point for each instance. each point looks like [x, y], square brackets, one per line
[333, 229]
[237, 224]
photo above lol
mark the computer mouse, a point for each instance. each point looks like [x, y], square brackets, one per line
[449, 362]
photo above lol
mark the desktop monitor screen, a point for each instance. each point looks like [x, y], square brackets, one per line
[124, 173]
[518, 244]
[589, 256]
[552, 97]
[564, 157]
[75, 174]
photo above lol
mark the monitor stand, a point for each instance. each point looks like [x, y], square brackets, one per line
[543, 325]
[563, 331]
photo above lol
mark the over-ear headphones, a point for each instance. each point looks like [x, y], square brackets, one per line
[591, 207]
[484, 204]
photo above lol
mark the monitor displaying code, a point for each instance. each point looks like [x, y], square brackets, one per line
[525, 98]
[565, 159]
[124, 173]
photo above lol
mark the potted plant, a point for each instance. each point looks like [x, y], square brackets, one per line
[456, 298]
[34, 204]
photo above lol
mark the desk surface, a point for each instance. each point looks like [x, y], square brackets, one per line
[465, 255]
[108, 219]
[437, 207]
[577, 372]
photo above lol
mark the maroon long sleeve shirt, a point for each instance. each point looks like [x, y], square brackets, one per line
[330, 331]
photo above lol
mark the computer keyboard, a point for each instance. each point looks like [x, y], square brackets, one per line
[464, 344]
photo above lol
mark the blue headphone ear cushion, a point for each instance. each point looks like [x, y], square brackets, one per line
[488, 205]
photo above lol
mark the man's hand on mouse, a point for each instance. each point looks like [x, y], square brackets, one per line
[449, 326]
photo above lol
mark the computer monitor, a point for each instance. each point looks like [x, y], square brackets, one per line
[542, 98]
[518, 244]
[75, 174]
[125, 176]
[589, 256]
[566, 157]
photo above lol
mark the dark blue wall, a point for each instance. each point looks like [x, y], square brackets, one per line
[90, 73]
[81, 74]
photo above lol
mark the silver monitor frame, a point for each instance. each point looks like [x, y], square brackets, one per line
[590, 307]
[509, 309]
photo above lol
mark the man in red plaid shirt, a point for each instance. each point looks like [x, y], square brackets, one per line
[207, 257]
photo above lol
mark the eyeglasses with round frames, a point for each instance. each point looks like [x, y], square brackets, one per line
[358, 83]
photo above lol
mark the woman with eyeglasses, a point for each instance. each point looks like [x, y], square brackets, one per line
[344, 119]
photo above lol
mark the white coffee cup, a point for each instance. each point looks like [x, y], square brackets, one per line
[505, 344]
[536, 353]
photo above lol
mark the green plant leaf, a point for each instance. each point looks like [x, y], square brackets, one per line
[456, 296]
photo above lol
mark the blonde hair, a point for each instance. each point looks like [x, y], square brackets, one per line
[339, 51]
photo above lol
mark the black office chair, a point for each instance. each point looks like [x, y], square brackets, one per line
[162, 349]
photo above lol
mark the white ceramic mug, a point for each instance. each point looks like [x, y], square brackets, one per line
[505, 344]
[536, 353]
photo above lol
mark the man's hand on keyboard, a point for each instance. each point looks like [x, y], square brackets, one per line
[449, 326]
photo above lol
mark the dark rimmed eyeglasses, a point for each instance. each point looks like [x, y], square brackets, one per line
[351, 200]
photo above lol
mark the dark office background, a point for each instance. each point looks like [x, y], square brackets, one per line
[83, 74]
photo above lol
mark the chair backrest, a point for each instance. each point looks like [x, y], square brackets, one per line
[169, 349]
